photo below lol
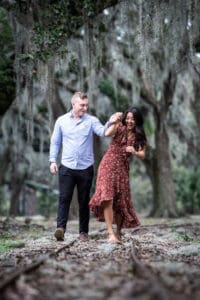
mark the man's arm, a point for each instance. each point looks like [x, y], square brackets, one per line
[114, 123]
[99, 129]
[56, 140]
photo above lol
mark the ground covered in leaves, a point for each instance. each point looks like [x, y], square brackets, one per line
[159, 260]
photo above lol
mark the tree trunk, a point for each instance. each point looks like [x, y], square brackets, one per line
[158, 166]
[196, 110]
[159, 162]
[164, 194]
[150, 162]
[16, 187]
[29, 201]
[4, 164]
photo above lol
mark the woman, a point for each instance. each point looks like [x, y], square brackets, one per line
[111, 201]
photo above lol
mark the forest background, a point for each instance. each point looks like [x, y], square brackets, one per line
[121, 53]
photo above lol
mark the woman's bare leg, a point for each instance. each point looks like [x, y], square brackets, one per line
[119, 221]
[108, 215]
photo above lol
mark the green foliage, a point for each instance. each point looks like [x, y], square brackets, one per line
[6, 245]
[186, 237]
[119, 101]
[106, 88]
[149, 127]
[7, 79]
[6, 41]
[57, 22]
[89, 7]
[187, 187]
[103, 28]
[73, 65]
[42, 109]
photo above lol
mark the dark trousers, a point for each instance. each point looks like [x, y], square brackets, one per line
[68, 179]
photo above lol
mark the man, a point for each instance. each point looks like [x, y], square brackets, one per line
[74, 132]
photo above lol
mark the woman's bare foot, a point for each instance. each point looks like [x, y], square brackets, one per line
[113, 239]
[119, 236]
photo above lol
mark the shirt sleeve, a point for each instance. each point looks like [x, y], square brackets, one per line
[56, 140]
[98, 127]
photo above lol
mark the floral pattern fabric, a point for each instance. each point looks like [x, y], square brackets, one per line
[113, 181]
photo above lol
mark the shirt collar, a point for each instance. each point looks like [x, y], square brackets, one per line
[81, 118]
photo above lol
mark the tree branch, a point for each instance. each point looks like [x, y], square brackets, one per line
[195, 67]
[168, 89]
[146, 92]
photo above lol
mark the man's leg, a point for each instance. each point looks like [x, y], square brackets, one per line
[84, 182]
[66, 188]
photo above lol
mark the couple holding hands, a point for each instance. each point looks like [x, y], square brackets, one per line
[111, 201]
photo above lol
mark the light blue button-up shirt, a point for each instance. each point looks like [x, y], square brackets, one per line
[76, 138]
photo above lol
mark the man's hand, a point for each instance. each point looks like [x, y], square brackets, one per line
[53, 168]
[116, 117]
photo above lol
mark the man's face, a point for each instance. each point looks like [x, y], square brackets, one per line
[80, 107]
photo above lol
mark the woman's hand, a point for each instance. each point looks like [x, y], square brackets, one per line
[114, 122]
[130, 149]
[115, 117]
[140, 154]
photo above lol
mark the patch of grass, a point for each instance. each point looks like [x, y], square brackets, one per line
[8, 245]
[184, 237]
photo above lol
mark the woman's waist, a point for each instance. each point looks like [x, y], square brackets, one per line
[117, 153]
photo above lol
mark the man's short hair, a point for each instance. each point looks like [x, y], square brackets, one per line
[80, 95]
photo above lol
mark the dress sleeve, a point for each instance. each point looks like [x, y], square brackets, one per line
[119, 134]
[120, 138]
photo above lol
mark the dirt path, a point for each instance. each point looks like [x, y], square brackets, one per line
[159, 261]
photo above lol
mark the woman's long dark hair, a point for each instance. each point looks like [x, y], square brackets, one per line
[140, 136]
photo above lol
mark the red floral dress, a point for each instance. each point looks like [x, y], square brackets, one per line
[113, 181]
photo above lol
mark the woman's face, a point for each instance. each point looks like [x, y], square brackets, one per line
[130, 122]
